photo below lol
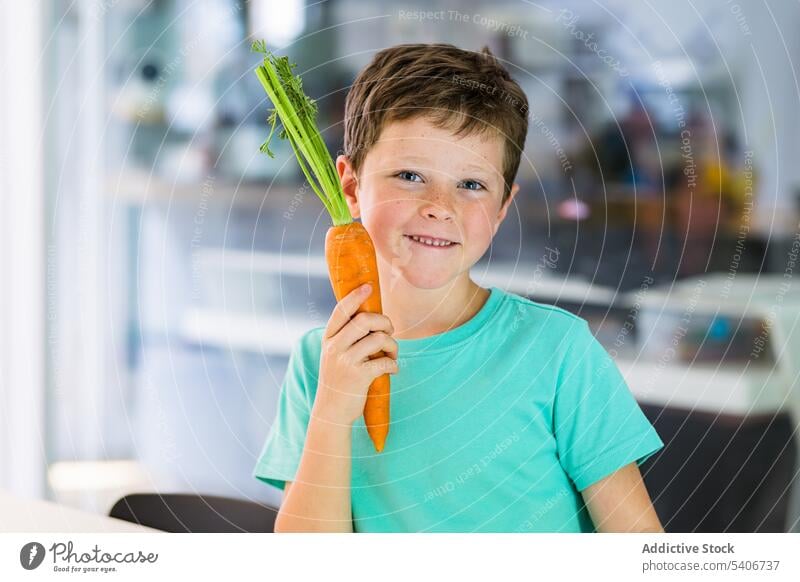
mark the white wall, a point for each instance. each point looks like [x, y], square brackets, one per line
[22, 331]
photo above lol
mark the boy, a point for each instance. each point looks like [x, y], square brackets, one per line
[506, 415]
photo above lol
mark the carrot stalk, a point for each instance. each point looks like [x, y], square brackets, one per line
[349, 252]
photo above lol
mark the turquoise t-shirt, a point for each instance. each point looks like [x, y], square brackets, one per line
[496, 426]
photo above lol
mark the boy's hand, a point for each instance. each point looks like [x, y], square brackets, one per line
[346, 371]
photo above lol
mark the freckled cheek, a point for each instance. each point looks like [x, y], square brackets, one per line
[384, 221]
[387, 215]
[478, 231]
[384, 201]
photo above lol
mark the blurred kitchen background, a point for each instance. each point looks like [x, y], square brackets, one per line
[156, 268]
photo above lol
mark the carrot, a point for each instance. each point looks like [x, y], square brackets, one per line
[351, 263]
[349, 252]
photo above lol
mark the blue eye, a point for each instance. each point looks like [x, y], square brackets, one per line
[478, 184]
[402, 175]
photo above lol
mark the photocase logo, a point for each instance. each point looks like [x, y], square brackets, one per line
[31, 555]
[66, 558]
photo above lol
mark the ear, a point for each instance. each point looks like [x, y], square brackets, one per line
[504, 210]
[349, 182]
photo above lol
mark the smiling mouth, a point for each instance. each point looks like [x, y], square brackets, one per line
[430, 243]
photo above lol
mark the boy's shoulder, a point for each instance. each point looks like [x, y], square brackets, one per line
[528, 308]
[526, 303]
[311, 340]
[551, 327]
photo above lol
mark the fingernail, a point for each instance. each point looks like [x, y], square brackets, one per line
[366, 288]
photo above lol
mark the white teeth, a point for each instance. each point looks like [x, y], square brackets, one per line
[431, 242]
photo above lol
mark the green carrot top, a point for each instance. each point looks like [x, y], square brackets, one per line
[298, 117]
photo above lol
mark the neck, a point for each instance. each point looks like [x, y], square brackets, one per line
[418, 313]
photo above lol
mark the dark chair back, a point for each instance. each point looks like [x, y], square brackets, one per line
[182, 513]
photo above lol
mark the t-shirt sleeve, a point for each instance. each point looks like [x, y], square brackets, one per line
[598, 425]
[281, 453]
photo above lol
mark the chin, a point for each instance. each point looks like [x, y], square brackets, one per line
[423, 280]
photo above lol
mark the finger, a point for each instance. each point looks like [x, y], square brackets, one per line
[345, 309]
[375, 342]
[381, 366]
[362, 324]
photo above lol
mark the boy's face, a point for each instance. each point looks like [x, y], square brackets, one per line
[418, 179]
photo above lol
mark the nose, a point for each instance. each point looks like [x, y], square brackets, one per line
[437, 206]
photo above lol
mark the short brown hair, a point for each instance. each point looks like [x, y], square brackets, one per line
[464, 91]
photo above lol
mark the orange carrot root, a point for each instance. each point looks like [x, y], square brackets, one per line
[351, 260]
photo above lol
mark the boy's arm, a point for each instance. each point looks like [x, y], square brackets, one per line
[620, 503]
[318, 499]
